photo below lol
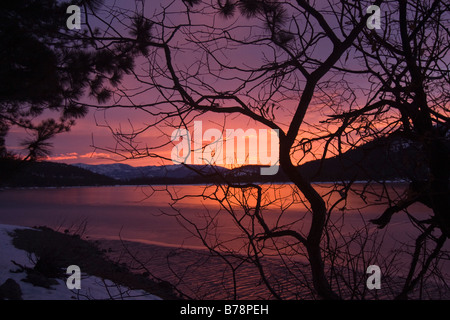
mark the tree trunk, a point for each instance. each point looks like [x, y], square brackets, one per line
[439, 183]
[318, 208]
[434, 146]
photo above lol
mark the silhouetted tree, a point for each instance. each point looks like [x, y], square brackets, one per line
[46, 69]
[328, 84]
[409, 62]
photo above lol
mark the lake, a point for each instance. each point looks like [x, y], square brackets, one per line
[144, 214]
[150, 226]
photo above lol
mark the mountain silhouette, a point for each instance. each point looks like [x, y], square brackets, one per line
[15, 173]
[389, 158]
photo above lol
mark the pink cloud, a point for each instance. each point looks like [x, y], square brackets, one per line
[66, 156]
[75, 155]
[95, 155]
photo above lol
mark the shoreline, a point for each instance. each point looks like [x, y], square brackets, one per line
[34, 262]
[200, 275]
[191, 273]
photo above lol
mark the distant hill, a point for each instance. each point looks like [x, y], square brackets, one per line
[48, 174]
[126, 172]
[390, 158]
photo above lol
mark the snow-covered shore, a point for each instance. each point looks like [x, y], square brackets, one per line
[92, 287]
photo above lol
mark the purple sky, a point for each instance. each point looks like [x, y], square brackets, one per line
[84, 143]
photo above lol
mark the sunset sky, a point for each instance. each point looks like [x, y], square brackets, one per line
[87, 139]
[90, 136]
